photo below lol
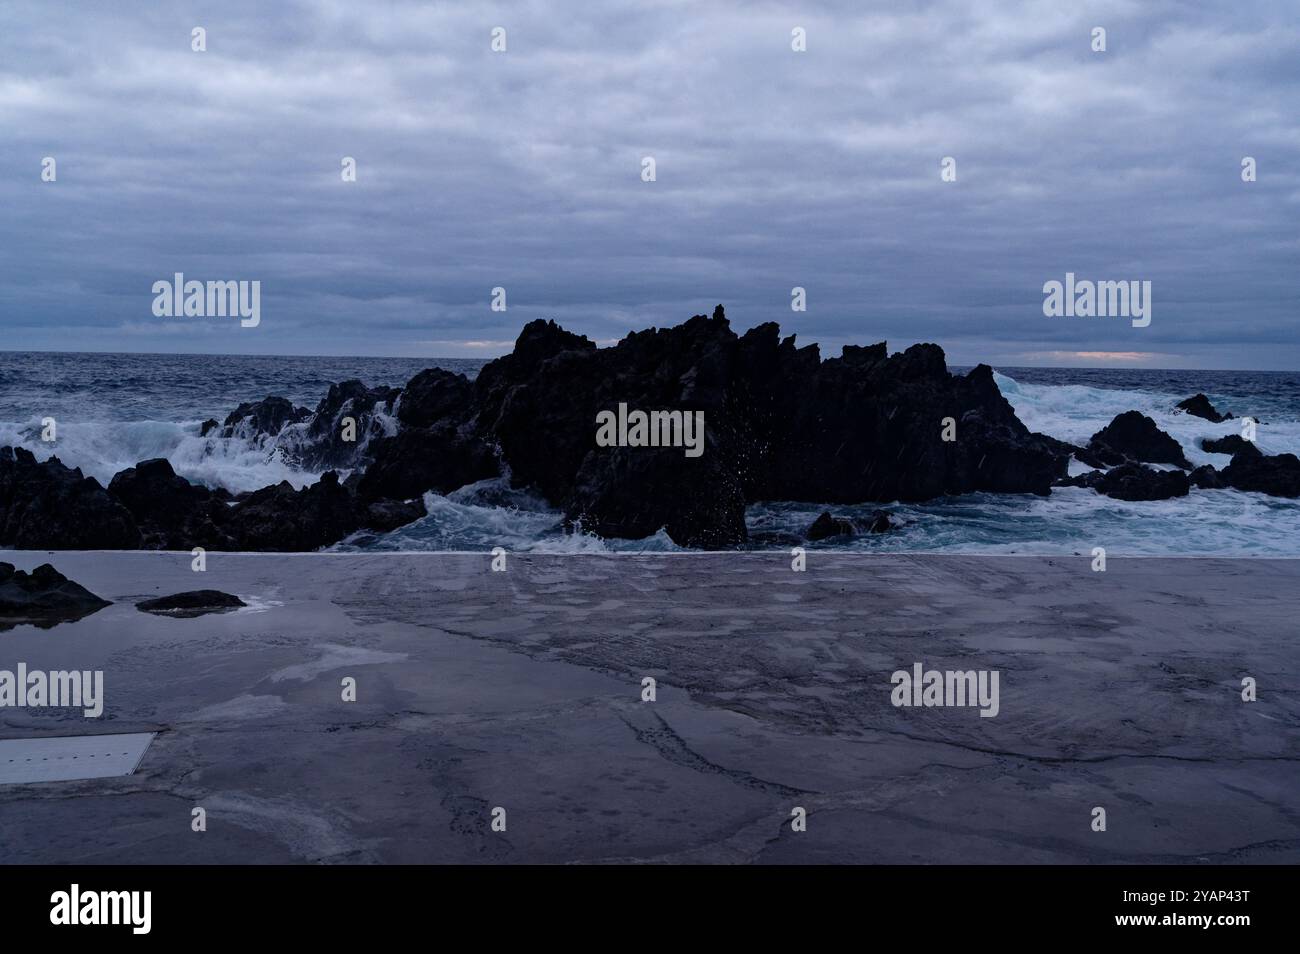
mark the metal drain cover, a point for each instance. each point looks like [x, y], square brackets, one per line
[68, 758]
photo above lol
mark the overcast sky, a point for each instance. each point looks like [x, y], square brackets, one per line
[775, 168]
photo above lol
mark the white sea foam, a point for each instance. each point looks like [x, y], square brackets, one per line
[103, 448]
[490, 514]
[1073, 412]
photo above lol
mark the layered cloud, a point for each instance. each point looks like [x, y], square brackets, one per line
[775, 169]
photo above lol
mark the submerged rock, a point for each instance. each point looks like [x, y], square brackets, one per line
[1277, 475]
[826, 525]
[1132, 436]
[191, 603]
[43, 597]
[1199, 406]
[1206, 477]
[1232, 444]
[385, 515]
[880, 522]
[1135, 482]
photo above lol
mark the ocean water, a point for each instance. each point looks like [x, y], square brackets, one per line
[115, 410]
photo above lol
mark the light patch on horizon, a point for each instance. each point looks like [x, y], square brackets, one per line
[502, 346]
[1107, 357]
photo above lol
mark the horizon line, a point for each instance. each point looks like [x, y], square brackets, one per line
[380, 357]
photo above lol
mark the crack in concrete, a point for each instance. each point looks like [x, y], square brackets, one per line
[673, 748]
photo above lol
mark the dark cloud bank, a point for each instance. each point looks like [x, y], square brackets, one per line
[774, 169]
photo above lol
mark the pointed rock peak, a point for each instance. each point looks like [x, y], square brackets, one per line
[981, 378]
[768, 331]
[924, 360]
[542, 338]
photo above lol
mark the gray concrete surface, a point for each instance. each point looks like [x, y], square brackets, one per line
[522, 690]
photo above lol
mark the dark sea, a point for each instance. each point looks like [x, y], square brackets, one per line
[113, 410]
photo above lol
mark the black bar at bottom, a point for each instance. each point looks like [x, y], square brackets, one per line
[332, 904]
